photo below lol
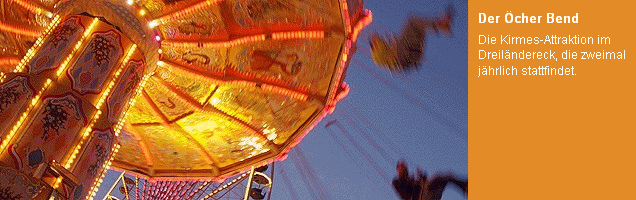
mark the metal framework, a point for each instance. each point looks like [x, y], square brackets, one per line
[253, 184]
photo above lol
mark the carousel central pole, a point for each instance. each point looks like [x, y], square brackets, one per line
[63, 108]
[249, 184]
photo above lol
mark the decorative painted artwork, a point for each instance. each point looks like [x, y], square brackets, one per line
[201, 24]
[308, 63]
[128, 17]
[287, 63]
[94, 65]
[170, 106]
[57, 45]
[236, 82]
[17, 186]
[91, 163]
[302, 13]
[14, 94]
[208, 59]
[124, 89]
[48, 136]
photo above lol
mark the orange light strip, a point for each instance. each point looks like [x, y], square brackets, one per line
[298, 35]
[333, 99]
[88, 31]
[9, 61]
[139, 91]
[34, 101]
[19, 30]
[198, 189]
[286, 92]
[345, 11]
[34, 9]
[183, 12]
[98, 106]
[27, 57]
[226, 44]
[288, 35]
[245, 83]
[93, 191]
[365, 21]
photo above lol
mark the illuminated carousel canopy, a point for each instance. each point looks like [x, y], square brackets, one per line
[237, 83]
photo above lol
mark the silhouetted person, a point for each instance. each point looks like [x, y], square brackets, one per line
[406, 52]
[257, 194]
[422, 187]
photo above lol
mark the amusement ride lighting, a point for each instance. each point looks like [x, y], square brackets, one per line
[333, 99]
[18, 124]
[287, 35]
[366, 20]
[100, 179]
[9, 61]
[225, 44]
[345, 10]
[34, 9]
[131, 103]
[101, 100]
[298, 35]
[182, 13]
[88, 31]
[38, 43]
[243, 83]
[18, 30]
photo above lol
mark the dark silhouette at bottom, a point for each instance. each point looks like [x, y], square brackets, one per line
[423, 187]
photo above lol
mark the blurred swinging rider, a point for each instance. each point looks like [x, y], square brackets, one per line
[406, 52]
[422, 187]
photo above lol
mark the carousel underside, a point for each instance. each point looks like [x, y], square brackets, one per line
[190, 89]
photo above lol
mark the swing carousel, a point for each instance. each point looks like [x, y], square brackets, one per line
[178, 95]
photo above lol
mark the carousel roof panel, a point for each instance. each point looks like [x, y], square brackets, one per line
[196, 60]
[140, 114]
[165, 103]
[199, 89]
[305, 65]
[172, 148]
[276, 116]
[237, 83]
[205, 24]
[246, 17]
[226, 141]
[131, 143]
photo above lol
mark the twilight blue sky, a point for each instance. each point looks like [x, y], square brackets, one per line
[425, 118]
[421, 116]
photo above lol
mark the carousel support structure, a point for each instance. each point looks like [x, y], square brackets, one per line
[261, 181]
[271, 184]
[120, 178]
[249, 184]
[68, 98]
[227, 186]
